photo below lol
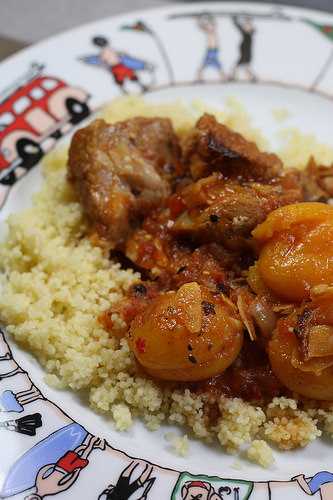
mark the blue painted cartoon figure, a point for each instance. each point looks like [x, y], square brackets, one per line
[53, 464]
[10, 402]
[60, 476]
[123, 67]
[207, 24]
[321, 482]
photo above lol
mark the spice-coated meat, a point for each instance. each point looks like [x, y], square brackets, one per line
[226, 211]
[214, 147]
[121, 171]
[154, 248]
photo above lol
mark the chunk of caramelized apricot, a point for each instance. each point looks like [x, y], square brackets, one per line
[312, 377]
[187, 335]
[296, 249]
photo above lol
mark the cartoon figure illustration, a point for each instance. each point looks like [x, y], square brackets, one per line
[321, 482]
[35, 111]
[25, 471]
[5, 353]
[199, 490]
[56, 462]
[10, 402]
[24, 425]
[123, 67]
[126, 486]
[246, 28]
[190, 487]
[8, 367]
[55, 478]
[6, 357]
[208, 25]
[11, 373]
[142, 27]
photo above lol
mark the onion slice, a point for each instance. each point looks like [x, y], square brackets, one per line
[243, 304]
[264, 316]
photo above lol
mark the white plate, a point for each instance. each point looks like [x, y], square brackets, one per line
[287, 63]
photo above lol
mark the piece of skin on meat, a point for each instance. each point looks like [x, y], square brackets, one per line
[121, 171]
[214, 147]
[224, 211]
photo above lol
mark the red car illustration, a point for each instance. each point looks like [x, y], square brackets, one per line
[34, 112]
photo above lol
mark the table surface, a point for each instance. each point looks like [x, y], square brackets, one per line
[21, 26]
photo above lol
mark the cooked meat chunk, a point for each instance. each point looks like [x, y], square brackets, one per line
[174, 262]
[214, 147]
[317, 182]
[121, 171]
[224, 211]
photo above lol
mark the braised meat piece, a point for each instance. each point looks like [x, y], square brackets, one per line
[173, 262]
[121, 171]
[214, 147]
[225, 211]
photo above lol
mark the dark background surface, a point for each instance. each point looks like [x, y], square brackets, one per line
[23, 22]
